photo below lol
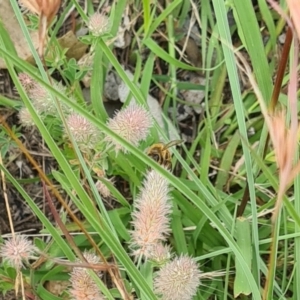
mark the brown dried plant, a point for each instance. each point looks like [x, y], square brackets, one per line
[284, 138]
[283, 127]
[284, 141]
[283, 134]
[46, 9]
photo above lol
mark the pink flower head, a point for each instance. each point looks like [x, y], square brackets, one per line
[103, 189]
[25, 117]
[132, 123]
[16, 250]
[26, 81]
[159, 254]
[84, 132]
[41, 100]
[83, 285]
[98, 24]
[151, 215]
[178, 279]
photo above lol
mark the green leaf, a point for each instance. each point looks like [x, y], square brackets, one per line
[227, 161]
[243, 238]
[152, 45]
[223, 26]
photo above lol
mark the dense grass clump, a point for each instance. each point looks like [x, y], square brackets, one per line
[162, 145]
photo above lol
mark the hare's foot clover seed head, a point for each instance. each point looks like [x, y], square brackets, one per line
[37, 92]
[43, 101]
[99, 24]
[151, 215]
[83, 285]
[17, 250]
[132, 123]
[178, 279]
[159, 254]
[25, 117]
[102, 189]
[83, 131]
[40, 97]
[26, 81]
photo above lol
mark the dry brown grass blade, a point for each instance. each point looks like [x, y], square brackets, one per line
[42, 34]
[281, 70]
[284, 142]
[279, 136]
[284, 138]
[285, 148]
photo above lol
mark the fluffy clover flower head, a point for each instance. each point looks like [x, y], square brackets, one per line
[132, 123]
[178, 279]
[17, 250]
[99, 24]
[26, 81]
[83, 285]
[103, 189]
[151, 216]
[42, 100]
[159, 254]
[40, 97]
[84, 132]
[25, 117]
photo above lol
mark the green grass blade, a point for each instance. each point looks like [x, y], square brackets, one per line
[253, 42]
[223, 27]
[152, 45]
[159, 19]
[97, 81]
[241, 285]
[227, 160]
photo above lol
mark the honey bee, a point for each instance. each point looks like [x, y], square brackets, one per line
[161, 154]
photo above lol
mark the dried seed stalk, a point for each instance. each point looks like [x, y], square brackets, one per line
[46, 9]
